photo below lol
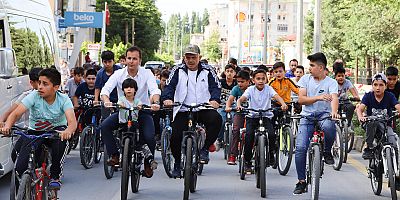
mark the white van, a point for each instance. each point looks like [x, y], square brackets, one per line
[27, 39]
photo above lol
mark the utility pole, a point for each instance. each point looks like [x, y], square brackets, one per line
[181, 39]
[239, 58]
[265, 43]
[133, 31]
[299, 34]
[317, 27]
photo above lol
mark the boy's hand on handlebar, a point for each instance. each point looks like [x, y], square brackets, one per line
[335, 115]
[65, 135]
[284, 107]
[154, 107]
[168, 103]
[362, 119]
[5, 130]
[228, 109]
[214, 104]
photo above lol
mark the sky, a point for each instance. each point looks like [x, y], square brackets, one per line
[169, 7]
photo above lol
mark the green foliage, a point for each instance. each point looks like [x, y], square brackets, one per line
[167, 59]
[119, 50]
[211, 47]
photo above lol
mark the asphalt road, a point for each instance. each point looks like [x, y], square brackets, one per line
[219, 181]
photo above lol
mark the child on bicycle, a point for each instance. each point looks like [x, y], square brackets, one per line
[243, 81]
[376, 101]
[346, 86]
[259, 96]
[73, 83]
[129, 86]
[49, 110]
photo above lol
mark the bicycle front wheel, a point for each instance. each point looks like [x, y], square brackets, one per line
[337, 149]
[135, 172]
[26, 190]
[375, 175]
[188, 168]
[108, 170]
[345, 141]
[14, 185]
[99, 145]
[391, 174]
[285, 149]
[87, 148]
[166, 154]
[262, 165]
[316, 171]
[126, 160]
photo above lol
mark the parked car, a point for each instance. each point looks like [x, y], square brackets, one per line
[154, 65]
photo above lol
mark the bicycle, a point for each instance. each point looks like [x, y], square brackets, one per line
[34, 180]
[285, 143]
[228, 126]
[166, 154]
[315, 167]
[192, 142]
[384, 161]
[261, 152]
[348, 137]
[90, 142]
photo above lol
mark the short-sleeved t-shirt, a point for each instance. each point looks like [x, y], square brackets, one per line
[226, 90]
[123, 114]
[260, 99]
[85, 95]
[344, 89]
[396, 90]
[43, 116]
[373, 106]
[316, 88]
[23, 95]
[237, 93]
[102, 78]
[71, 86]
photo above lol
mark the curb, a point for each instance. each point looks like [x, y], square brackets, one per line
[359, 143]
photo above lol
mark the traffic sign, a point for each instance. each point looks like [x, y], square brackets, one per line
[84, 19]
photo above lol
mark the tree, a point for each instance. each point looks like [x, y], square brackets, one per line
[205, 20]
[211, 47]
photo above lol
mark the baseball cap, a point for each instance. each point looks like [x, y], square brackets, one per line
[192, 49]
[379, 76]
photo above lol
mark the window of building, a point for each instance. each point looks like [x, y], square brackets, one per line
[282, 28]
[2, 36]
[283, 18]
[279, 17]
[279, 6]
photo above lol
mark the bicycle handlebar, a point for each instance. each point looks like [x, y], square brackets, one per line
[48, 134]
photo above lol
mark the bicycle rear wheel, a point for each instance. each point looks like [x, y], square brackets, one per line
[166, 155]
[316, 171]
[99, 145]
[126, 160]
[263, 152]
[108, 170]
[375, 175]
[337, 149]
[87, 148]
[345, 141]
[26, 190]
[285, 150]
[188, 168]
[391, 174]
[350, 141]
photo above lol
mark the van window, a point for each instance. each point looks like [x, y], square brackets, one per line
[32, 41]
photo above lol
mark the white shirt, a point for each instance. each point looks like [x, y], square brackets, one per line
[191, 93]
[145, 80]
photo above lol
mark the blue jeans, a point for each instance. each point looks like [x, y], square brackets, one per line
[146, 130]
[306, 129]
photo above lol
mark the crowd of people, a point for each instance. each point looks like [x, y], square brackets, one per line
[52, 104]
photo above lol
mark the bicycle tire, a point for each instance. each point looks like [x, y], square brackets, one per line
[316, 171]
[13, 185]
[337, 149]
[391, 173]
[108, 170]
[375, 175]
[188, 168]
[26, 189]
[350, 140]
[200, 169]
[263, 152]
[135, 173]
[126, 159]
[345, 141]
[87, 149]
[76, 140]
[166, 155]
[241, 160]
[99, 152]
[285, 137]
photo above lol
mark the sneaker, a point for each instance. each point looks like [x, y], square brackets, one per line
[328, 158]
[204, 156]
[300, 188]
[149, 166]
[217, 144]
[232, 160]
[176, 173]
[368, 154]
[158, 145]
[248, 168]
[212, 148]
[54, 184]
[113, 160]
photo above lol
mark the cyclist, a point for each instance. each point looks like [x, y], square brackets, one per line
[346, 86]
[393, 85]
[376, 101]
[319, 96]
[84, 95]
[193, 82]
[73, 83]
[259, 96]
[227, 85]
[146, 85]
[107, 57]
[243, 80]
[48, 110]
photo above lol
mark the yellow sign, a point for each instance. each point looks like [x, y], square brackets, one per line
[240, 17]
[246, 44]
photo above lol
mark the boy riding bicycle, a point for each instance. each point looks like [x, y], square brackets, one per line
[319, 96]
[259, 96]
[48, 110]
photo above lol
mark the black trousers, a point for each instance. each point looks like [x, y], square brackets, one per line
[211, 120]
[251, 125]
